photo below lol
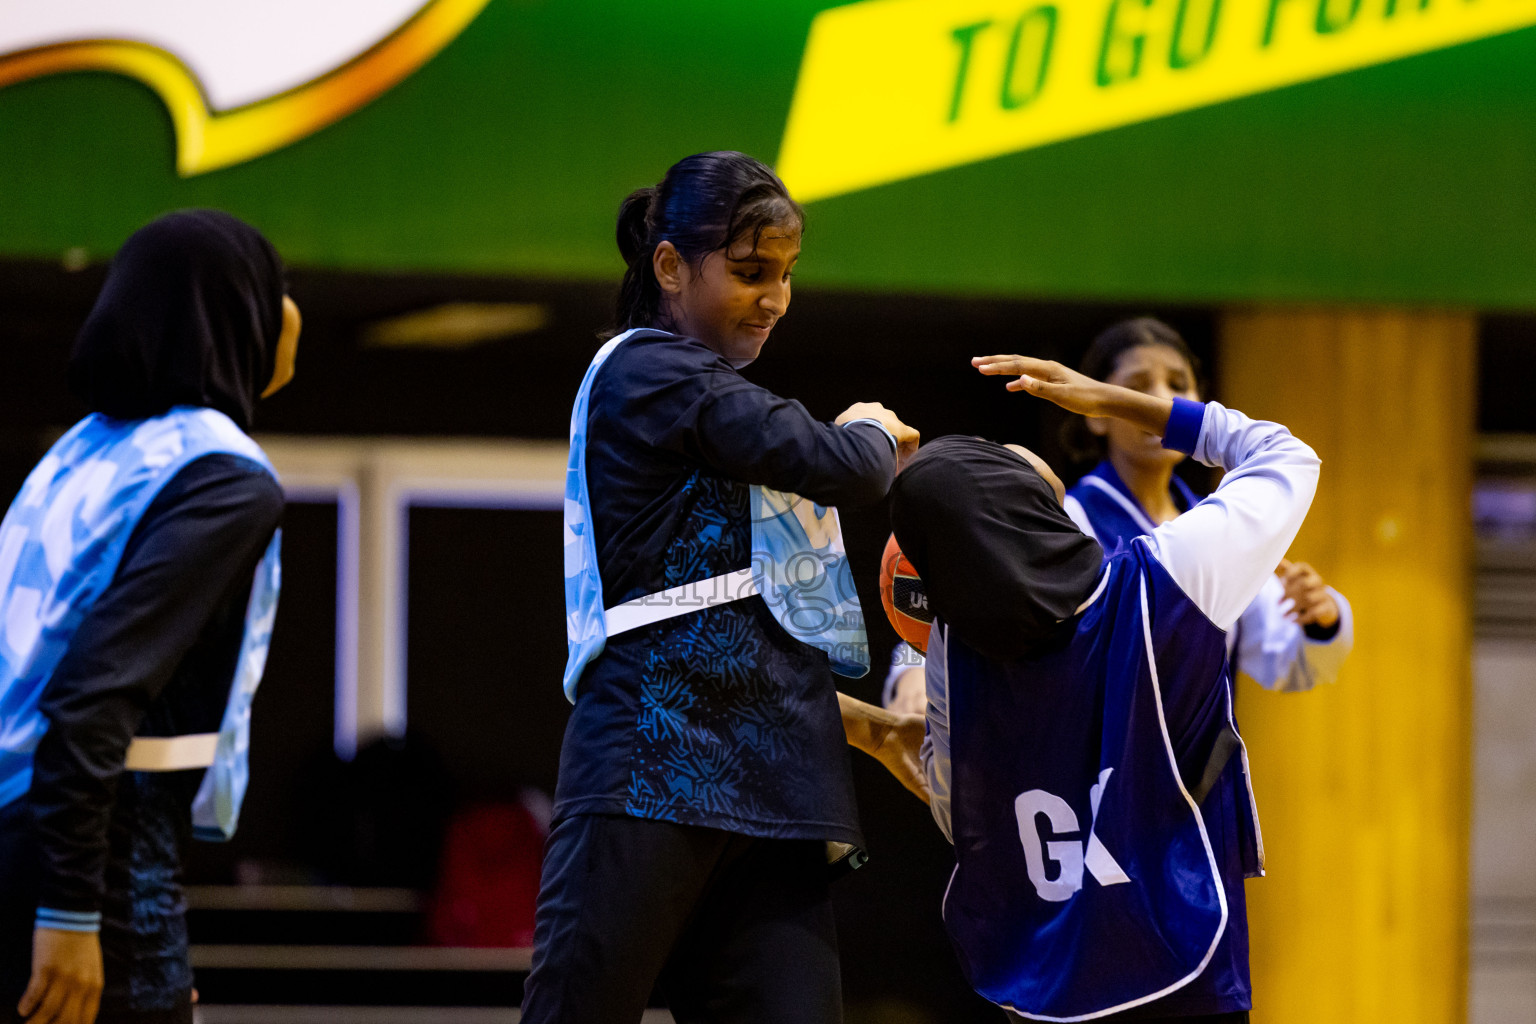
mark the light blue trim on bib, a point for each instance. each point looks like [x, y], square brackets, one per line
[216, 808]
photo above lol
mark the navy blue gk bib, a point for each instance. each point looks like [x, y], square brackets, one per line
[1086, 881]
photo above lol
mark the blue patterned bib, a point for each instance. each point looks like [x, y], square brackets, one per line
[60, 545]
[799, 565]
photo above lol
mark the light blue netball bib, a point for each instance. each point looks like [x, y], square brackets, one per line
[216, 808]
[799, 567]
[60, 545]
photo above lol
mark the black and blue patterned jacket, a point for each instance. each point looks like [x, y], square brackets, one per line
[718, 718]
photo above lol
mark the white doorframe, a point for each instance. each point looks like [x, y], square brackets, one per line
[374, 482]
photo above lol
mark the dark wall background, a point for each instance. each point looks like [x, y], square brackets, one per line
[908, 351]
[293, 717]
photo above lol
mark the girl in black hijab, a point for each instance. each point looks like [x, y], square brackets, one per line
[1081, 754]
[995, 550]
[191, 329]
[193, 312]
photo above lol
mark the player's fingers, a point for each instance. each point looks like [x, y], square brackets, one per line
[1314, 602]
[1283, 568]
[73, 1010]
[1004, 365]
[49, 1009]
[1315, 616]
[32, 996]
[993, 365]
[1300, 586]
[1034, 385]
[91, 1005]
[916, 781]
[1309, 594]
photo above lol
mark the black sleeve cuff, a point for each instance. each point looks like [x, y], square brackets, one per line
[1322, 634]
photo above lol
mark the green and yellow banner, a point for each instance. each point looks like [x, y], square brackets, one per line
[1365, 151]
[890, 89]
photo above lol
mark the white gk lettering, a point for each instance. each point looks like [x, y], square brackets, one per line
[1070, 855]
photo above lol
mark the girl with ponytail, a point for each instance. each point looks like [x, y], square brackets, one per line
[704, 794]
[705, 788]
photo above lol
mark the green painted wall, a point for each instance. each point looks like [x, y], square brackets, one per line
[1412, 182]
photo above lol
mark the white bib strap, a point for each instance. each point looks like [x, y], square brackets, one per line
[668, 604]
[172, 753]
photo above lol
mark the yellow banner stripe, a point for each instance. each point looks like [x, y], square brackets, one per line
[889, 89]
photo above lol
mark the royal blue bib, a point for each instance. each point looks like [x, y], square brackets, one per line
[1086, 881]
[1116, 515]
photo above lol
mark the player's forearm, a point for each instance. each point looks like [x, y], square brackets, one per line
[1144, 411]
[864, 723]
[1223, 550]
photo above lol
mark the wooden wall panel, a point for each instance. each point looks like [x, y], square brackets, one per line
[1364, 787]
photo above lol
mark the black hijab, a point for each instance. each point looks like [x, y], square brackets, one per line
[190, 314]
[1000, 561]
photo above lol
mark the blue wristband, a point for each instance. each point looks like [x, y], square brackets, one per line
[878, 426]
[68, 920]
[1184, 423]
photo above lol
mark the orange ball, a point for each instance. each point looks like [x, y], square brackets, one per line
[905, 600]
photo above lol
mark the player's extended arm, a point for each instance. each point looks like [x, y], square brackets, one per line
[892, 739]
[1077, 393]
[1221, 551]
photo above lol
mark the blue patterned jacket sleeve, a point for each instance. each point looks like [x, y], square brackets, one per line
[190, 557]
[703, 409]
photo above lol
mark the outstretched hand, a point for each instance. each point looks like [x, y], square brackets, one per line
[1077, 393]
[1046, 379]
[898, 747]
[894, 740]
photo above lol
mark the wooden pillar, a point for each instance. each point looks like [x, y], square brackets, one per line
[1364, 787]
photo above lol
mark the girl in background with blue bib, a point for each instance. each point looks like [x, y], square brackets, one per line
[704, 773]
[1297, 632]
[138, 582]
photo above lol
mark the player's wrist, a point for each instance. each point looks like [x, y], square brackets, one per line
[80, 921]
[1145, 411]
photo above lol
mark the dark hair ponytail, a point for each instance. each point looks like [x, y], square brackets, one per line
[706, 202]
[1100, 362]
